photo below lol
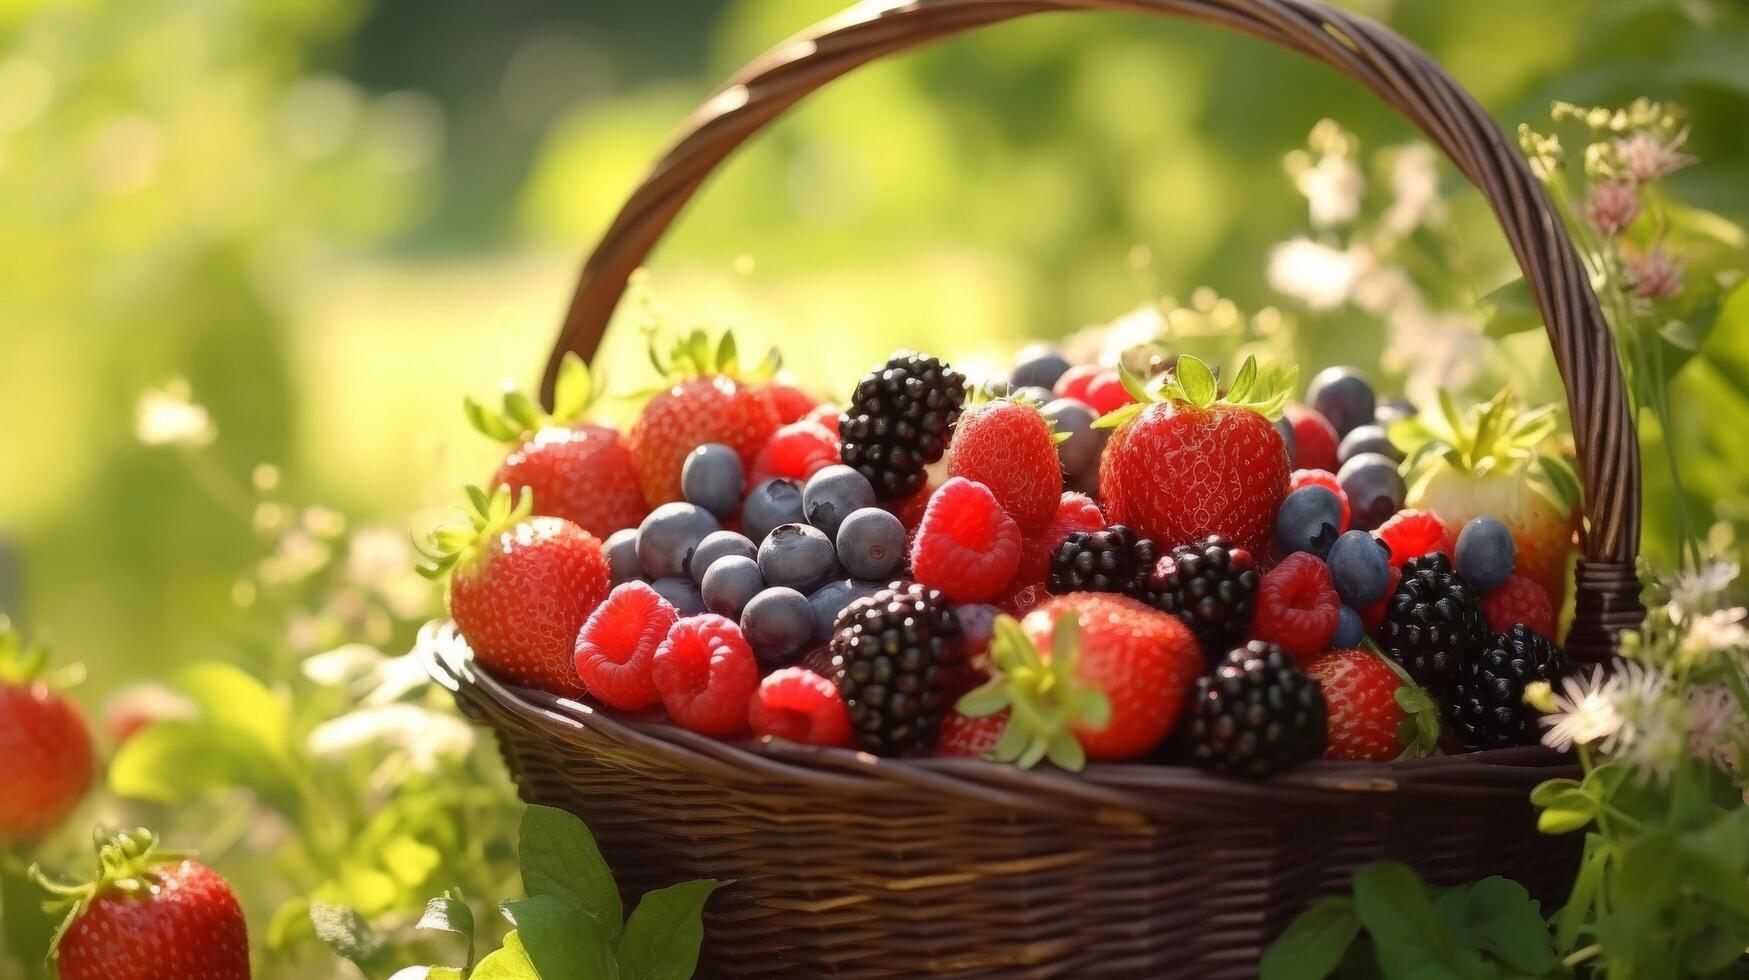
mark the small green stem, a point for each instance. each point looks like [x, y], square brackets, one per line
[1579, 956]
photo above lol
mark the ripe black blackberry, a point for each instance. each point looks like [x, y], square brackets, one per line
[1111, 559]
[1433, 622]
[1486, 708]
[893, 649]
[898, 421]
[1211, 587]
[1256, 713]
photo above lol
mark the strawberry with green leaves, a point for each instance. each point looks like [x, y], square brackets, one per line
[1008, 446]
[578, 470]
[1186, 461]
[708, 398]
[520, 588]
[1376, 713]
[46, 759]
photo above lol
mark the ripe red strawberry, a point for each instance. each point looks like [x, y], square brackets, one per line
[969, 738]
[1315, 439]
[800, 706]
[1075, 512]
[46, 759]
[1375, 713]
[1074, 382]
[1520, 600]
[1413, 533]
[788, 403]
[705, 403]
[150, 915]
[1193, 464]
[576, 470]
[967, 546]
[617, 643]
[795, 451]
[1106, 392]
[520, 588]
[1008, 447]
[1325, 479]
[1100, 676]
[1297, 606]
[706, 673]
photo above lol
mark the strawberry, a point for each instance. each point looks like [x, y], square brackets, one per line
[963, 737]
[1520, 600]
[1008, 446]
[520, 588]
[1183, 463]
[1315, 439]
[1494, 461]
[1376, 713]
[788, 403]
[795, 452]
[149, 915]
[705, 402]
[1114, 678]
[46, 758]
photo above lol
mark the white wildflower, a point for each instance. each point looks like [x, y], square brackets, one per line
[1333, 187]
[1584, 713]
[1720, 631]
[1649, 156]
[1695, 590]
[169, 416]
[1415, 189]
[1653, 735]
[1319, 275]
[1715, 725]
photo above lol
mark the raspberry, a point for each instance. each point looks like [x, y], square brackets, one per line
[1413, 533]
[1106, 393]
[706, 673]
[616, 644]
[1075, 512]
[800, 706]
[967, 546]
[1297, 607]
[1374, 615]
[1520, 600]
[1073, 382]
[789, 402]
[795, 451]
[1315, 439]
[1327, 480]
[969, 738]
[826, 415]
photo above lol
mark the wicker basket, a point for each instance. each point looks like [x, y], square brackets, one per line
[844, 864]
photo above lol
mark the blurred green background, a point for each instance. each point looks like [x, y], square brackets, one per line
[333, 218]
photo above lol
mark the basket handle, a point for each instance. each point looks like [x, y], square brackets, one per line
[1607, 592]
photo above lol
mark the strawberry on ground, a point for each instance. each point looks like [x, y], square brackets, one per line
[1297, 606]
[969, 738]
[705, 402]
[1375, 713]
[1007, 446]
[1520, 600]
[967, 546]
[800, 706]
[1315, 439]
[46, 758]
[617, 643]
[1413, 533]
[795, 452]
[1327, 480]
[520, 588]
[706, 674]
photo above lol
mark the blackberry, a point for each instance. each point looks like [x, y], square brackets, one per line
[898, 420]
[1486, 709]
[1211, 587]
[1256, 713]
[1433, 622]
[893, 650]
[1111, 559]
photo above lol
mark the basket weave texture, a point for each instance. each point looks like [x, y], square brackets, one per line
[844, 864]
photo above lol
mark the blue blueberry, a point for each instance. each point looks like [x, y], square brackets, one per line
[1037, 365]
[1350, 630]
[1369, 438]
[711, 477]
[1285, 429]
[830, 599]
[1342, 395]
[716, 546]
[731, 582]
[621, 549]
[1079, 453]
[1374, 489]
[1307, 521]
[681, 593]
[797, 556]
[1361, 568]
[773, 502]
[778, 624]
[871, 544]
[1486, 554]
[832, 494]
[668, 536]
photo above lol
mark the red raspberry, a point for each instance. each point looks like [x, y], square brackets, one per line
[826, 415]
[967, 546]
[1374, 615]
[1074, 382]
[969, 738]
[1315, 439]
[1413, 533]
[617, 642]
[705, 672]
[1520, 600]
[800, 706]
[789, 402]
[1106, 392]
[1075, 512]
[1297, 607]
[796, 451]
[1325, 479]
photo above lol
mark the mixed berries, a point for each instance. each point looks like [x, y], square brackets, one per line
[1073, 563]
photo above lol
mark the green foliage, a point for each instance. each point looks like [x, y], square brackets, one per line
[1043, 696]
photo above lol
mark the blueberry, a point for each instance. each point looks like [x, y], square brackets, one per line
[832, 494]
[977, 626]
[871, 544]
[778, 624]
[716, 546]
[1343, 396]
[621, 548]
[1285, 429]
[830, 599]
[1078, 454]
[1307, 521]
[711, 478]
[730, 584]
[1350, 630]
[773, 502]
[1374, 489]
[1369, 438]
[1392, 409]
[681, 593]
[668, 536]
[1486, 554]
[1361, 568]
[796, 556]
[1037, 365]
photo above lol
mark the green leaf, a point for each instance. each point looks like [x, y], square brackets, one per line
[1565, 818]
[1196, 381]
[346, 933]
[178, 762]
[1411, 936]
[1312, 947]
[232, 698]
[1549, 791]
[1511, 309]
[1118, 416]
[728, 356]
[562, 942]
[560, 859]
[1243, 381]
[1553, 477]
[664, 933]
[24, 925]
[448, 913]
[1509, 924]
[1134, 384]
[574, 390]
[984, 700]
[509, 963]
[523, 410]
[488, 422]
